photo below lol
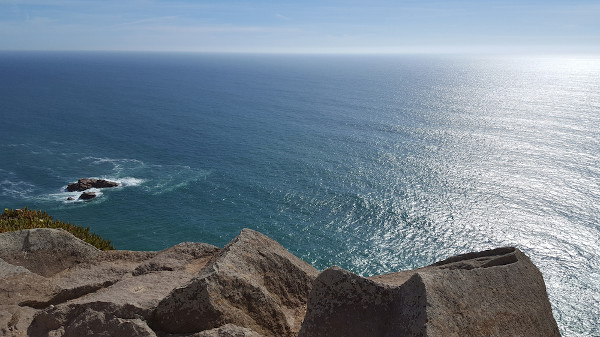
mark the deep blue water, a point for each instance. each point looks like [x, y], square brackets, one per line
[373, 163]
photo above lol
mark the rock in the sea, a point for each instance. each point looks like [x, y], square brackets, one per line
[87, 195]
[87, 183]
[491, 293]
[70, 198]
[254, 283]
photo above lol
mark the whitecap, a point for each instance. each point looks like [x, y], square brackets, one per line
[176, 178]
[65, 195]
[127, 181]
[15, 189]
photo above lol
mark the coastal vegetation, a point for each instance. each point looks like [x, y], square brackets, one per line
[18, 219]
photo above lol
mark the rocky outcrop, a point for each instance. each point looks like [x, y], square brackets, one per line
[52, 284]
[87, 183]
[491, 293]
[254, 283]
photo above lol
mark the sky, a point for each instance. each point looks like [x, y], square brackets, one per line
[303, 26]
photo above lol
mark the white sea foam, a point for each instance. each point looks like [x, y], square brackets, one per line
[116, 162]
[15, 189]
[65, 195]
[175, 178]
[127, 181]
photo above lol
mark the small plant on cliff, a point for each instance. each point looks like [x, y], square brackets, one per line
[17, 219]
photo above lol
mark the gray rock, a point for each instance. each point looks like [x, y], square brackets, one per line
[91, 319]
[7, 269]
[253, 283]
[491, 293]
[44, 251]
[87, 183]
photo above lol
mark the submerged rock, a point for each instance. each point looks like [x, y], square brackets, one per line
[87, 183]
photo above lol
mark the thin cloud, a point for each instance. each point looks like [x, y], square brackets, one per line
[146, 21]
[214, 29]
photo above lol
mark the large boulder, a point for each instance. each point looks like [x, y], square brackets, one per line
[254, 283]
[491, 293]
[52, 284]
[87, 183]
[44, 251]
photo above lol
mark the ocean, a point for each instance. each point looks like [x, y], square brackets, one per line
[373, 163]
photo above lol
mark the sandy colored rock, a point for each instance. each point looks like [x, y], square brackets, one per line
[491, 293]
[14, 320]
[253, 283]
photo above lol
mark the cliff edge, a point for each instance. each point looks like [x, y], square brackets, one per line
[53, 284]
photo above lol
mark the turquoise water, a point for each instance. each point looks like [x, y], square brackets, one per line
[373, 163]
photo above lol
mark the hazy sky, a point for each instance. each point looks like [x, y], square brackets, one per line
[528, 26]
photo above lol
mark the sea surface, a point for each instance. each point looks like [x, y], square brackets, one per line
[373, 163]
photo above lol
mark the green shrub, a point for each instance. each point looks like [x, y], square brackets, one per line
[17, 219]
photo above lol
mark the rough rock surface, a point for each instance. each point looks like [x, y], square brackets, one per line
[87, 195]
[254, 283]
[491, 293]
[52, 284]
[44, 251]
[87, 183]
[227, 330]
[87, 292]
